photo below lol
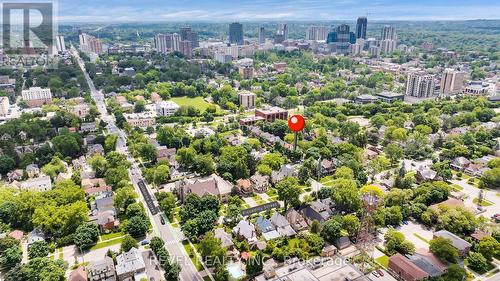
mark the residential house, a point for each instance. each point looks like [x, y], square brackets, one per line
[33, 171]
[266, 229]
[95, 186]
[285, 171]
[460, 163]
[245, 230]
[328, 251]
[428, 262]
[425, 175]
[327, 166]
[130, 265]
[211, 185]
[88, 127]
[476, 169]
[244, 186]
[317, 210]
[460, 244]
[405, 269]
[79, 274]
[450, 202]
[296, 220]
[35, 236]
[282, 225]
[102, 270]
[15, 175]
[260, 183]
[103, 212]
[224, 237]
[165, 153]
[17, 234]
[95, 149]
[42, 183]
[478, 235]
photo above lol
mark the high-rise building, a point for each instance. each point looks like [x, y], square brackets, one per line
[387, 46]
[185, 47]
[189, 35]
[36, 96]
[176, 42]
[361, 25]
[281, 33]
[60, 45]
[340, 39]
[262, 35]
[389, 33]
[316, 33]
[163, 43]
[90, 44]
[420, 85]
[236, 33]
[374, 51]
[452, 81]
[246, 99]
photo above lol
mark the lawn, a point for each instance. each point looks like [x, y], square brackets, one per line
[456, 187]
[192, 255]
[271, 192]
[484, 203]
[108, 236]
[197, 102]
[107, 243]
[421, 238]
[383, 261]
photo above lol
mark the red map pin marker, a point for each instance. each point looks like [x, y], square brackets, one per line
[296, 123]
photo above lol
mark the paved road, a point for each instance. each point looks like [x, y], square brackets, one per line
[473, 192]
[165, 231]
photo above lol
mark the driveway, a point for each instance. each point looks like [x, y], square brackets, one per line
[473, 192]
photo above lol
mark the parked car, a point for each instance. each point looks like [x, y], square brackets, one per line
[380, 272]
[145, 242]
[376, 274]
[162, 220]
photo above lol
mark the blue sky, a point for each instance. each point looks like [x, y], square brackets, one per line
[258, 10]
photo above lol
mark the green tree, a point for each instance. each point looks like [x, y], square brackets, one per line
[128, 242]
[211, 251]
[489, 247]
[395, 241]
[6, 164]
[393, 152]
[167, 204]
[289, 191]
[234, 160]
[477, 262]
[315, 227]
[255, 264]
[443, 248]
[38, 249]
[124, 197]
[137, 226]
[490, 178]
[331, 230]
[86, 235]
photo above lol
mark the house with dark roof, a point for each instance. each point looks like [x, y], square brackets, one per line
[35, 236]
[460, 163]
[266, 228]
[103, 212]
[428, 262]
[403, 268]
[317, 210]
[285, 171]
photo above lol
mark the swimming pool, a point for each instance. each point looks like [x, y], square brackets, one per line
[235, 271]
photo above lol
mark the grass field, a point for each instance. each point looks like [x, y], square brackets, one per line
[197, 102]
[108, 236]
[107, 243]
[421, 238]
[383, 261]
[192, 255]
[484, 203]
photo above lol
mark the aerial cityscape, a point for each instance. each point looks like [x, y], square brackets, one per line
[252, 140]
